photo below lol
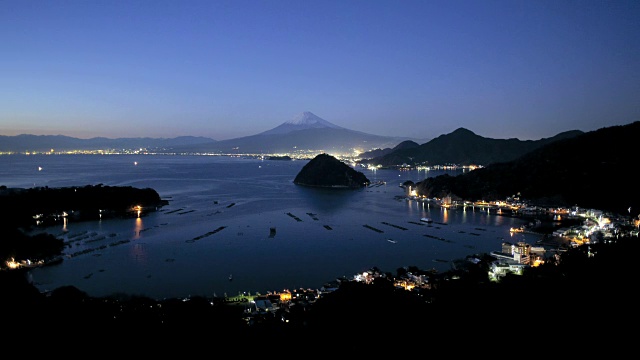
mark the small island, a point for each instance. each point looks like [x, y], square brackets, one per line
[275, 157]
[326, 171]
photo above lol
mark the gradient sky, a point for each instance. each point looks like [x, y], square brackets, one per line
[226, 69]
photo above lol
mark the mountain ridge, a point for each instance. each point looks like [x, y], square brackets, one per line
[464, 147]
[44, 143]
[304, 120]
[305, 133]
[308, 134]
[407, 144]
[588, 169]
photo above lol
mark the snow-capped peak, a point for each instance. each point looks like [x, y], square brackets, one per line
[303, 121]
[309, 119]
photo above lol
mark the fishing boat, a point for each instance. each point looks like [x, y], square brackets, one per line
[426, 220]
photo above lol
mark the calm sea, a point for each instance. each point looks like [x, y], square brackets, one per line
[214, 238]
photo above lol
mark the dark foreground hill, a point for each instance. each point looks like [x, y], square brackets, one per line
[592, 170]
[586, 293]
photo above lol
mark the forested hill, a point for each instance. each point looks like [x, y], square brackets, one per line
[593, 170]
[463, 147]
[408, 144]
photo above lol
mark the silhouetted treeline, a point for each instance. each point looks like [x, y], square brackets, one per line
[22, 211]
[14, 243]
[20, 207]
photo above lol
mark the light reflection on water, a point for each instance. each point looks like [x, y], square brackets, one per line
[138, 253]
[178, 251]
[137, 228]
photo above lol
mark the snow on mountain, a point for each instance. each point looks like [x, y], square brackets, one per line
[303, 121]
[309, 119]
[304, 133]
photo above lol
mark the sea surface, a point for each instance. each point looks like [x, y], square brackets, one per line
[215, 237]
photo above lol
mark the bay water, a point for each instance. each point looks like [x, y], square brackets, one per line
[240, 225]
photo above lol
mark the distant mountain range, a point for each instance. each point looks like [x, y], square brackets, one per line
[308, 134]
[305, 133]
[592, 170]
[45, 143]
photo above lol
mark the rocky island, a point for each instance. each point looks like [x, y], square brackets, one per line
[326, 171]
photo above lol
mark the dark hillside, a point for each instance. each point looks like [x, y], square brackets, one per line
[464, 147]
[408, 144]
[19, 207]
[593, 170]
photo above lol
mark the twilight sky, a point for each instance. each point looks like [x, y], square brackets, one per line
[226, 69]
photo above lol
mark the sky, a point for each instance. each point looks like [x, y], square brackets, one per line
[227, 69]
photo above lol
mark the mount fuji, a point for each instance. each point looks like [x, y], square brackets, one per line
[306, 133]
[303, 121]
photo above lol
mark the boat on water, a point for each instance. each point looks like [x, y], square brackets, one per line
[426, 220]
